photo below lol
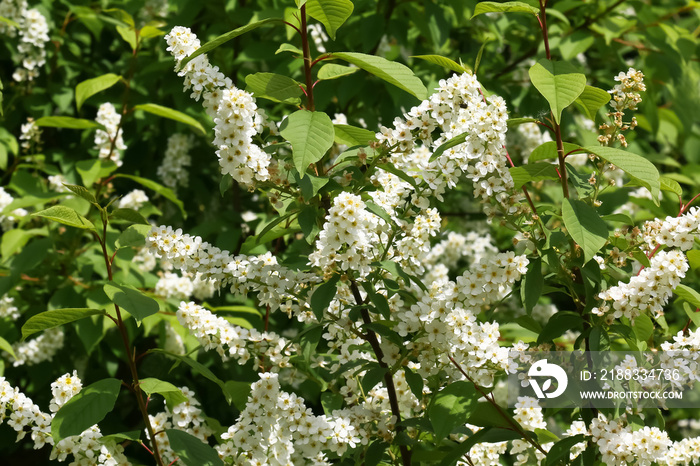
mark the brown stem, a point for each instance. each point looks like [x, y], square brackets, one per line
[557, 129]
[307, 61]
[503, 414]
[131, 360]
[561, 156]
[371, 337]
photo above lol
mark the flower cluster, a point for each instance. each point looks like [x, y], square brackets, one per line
[7, 222]
[274, 283]
[133, 200]
[232, 341]
[8, 310]
[624, 96]
[529, 415]
[30, 137]
[648, 291]
[319, 37]
[277, 428]
[457, 108]
[109, 142]
[172, 285]
[529, 137]
[186, 416]
[447, 315]
[484, 453]
[33, 35]
[472, 247]
[174, 169]
[40, 349]
[620, 445]
[56, 183]
[88, 448]
[677, 232]
[236, 116]
[349, 239]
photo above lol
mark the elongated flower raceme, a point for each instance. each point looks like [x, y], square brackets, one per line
[236, 116]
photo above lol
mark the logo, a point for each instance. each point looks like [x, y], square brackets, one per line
[552, 371]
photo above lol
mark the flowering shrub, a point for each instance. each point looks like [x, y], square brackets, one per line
[256, 282]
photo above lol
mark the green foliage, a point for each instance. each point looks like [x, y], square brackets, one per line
[85, 409]
[559, 82]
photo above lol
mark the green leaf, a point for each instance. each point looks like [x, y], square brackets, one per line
[396, 270]
[223, 38]
[192, 451]
[532, 284]
[670, 185]
[3, 149]
[486, 414]
[519, 121]
[353, 136]
[323, 296]
[85, 409]
[90, 87]
[692, 314]
[634, 165]
[9, 22]
[131, 300]
[575, 43]
[533, 172]
[591, 99]
[548, 150]
[643, 327]
[505, 7]
[82, 192]
[455, 141]
[275, 87]
[330, 402]
[559, 82]
[442, 61]
[452, 406]
[688, 294]
[289, 48]
[122, 16]
[693, 259]
[333, 71]
[55, 318]
[585, 226]
[415, 382]
[158, 188]
[14, 240]
[331, 13]
[171, 114]
[558, 324]
[67, 122]
[66, 216]
[238, 392]
[148, 32]
[311, 184]
[134, 236]
[394, 73]
[92, 170]
[372, 378]
[173, 395]
[311, 135]
[545, 436]
[560, 450]
[308, 222]
[7, 347]
[129, 215]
